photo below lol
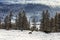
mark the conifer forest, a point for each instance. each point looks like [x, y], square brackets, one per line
[47, 24]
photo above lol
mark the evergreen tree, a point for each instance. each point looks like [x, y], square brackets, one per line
[45, 22]
[19, 21]
[52, 23]
[47, 28]
[42, 22]
[26, 23]
[22, 19]
[16, 22]
[10, 17]
[56, 21]
[7, 21]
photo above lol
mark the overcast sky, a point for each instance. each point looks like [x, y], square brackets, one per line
[46, 2]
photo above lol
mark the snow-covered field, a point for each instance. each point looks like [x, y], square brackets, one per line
[23, 35]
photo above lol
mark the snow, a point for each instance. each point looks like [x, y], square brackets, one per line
[37, 25]
[23, 35]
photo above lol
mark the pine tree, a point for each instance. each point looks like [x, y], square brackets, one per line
[45, 22]
[47, 28]
[22, 19]
[42, 22]
[10, 17]
[16, 22]
[52, 23]
[7, 21]
[19, 21]
[25, 22]
[56, 21]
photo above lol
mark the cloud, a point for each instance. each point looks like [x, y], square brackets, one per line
[45, 2]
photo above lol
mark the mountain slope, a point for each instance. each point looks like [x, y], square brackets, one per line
[30, 9]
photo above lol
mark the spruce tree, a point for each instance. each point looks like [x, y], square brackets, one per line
[16, 22]
[56, 21]
[59, 22]
[10, 17]
[23, 22]
[52, 23]
[42, 22]
[45, 22]
[5, 22]
[47, 28]
[19, 21]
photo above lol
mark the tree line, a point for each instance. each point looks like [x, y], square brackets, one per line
[47, 24]
[21, 22]
[50, 24]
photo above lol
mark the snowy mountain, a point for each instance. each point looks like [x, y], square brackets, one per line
[27, 7]
[30, 9]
